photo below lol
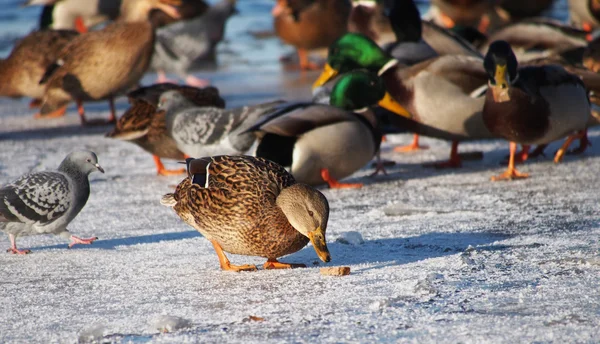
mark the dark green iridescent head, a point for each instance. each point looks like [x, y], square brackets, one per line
[355, 51]
[357, 90]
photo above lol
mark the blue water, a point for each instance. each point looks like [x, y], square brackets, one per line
[255, 15]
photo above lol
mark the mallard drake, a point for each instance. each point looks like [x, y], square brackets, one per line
[538, 38]
[185, 45]
[203, 131]
[253, 207]
[585, 14]
[22, 70]
[102, 64]
[531, 105]
[145, 126]
[449, 82]
[310, 24]
[325, 143]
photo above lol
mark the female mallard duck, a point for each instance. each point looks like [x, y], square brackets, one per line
[531, 105]
[433, 98]
[22, 70]
[145, 126]
[585, 14]
[251, 206]
[102, 64]
[203, 131]
[324, 143]
[310, 24]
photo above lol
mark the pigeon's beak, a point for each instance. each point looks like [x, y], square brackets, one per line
[99, 168]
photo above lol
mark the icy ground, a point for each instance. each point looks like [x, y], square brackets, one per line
[437, 256]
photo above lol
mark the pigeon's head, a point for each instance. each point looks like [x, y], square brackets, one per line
[84, 161]
[171, 101]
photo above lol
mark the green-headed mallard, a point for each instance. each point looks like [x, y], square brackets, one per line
[531, 105]
[324, 143]
[102, 64]
[251, 206]
[310, 24]
[433, 98]
[22, 70]
[145, 126]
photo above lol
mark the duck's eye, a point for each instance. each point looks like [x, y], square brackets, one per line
[310, 213]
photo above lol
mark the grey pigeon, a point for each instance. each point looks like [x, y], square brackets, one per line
[46, 202]
[207, 131]
[187, 44]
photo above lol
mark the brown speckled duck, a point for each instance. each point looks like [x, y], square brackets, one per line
[102, 64]
[145, 126]
[251, 206]
[22, 70]
[310, 24]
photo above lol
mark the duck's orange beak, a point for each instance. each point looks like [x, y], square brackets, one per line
[327, 74]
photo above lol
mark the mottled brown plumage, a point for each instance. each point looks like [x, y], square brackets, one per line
[22, 70]
[250, 206]
[143, 125]
[102, 64]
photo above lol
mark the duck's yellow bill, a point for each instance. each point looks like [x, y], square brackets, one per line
[500, 76]
[389, 103]
[327, 74]
[317, 238]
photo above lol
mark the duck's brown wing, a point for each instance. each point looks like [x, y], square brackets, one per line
[207, 96]
[135, 122]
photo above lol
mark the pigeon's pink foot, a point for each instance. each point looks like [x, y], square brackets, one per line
[76, 240]
[191, 80]
[15, 250]
[162, 79]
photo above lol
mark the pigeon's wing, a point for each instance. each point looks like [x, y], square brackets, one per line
[202, 125]
[184, 39]
[37, 198]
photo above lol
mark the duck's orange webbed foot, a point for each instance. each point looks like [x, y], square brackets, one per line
[162, 171]
[226, 265]
[581, 135]
[274, 264]
[414, 146]
[54, 114]
[334, 184]
[509, 174]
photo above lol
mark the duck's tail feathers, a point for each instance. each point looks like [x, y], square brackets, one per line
[168, 200]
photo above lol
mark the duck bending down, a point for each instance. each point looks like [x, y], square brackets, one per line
[204, 131]
[145, 126]
[253, 207]
[325, 143]
[439, 97]
[22, 70]
[186, 45]
[105, 63]
[533, 104]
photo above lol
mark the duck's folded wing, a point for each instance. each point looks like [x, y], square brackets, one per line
[294, 119]
[463, 71]
[38, 198]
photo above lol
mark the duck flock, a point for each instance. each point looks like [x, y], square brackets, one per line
[464, 71]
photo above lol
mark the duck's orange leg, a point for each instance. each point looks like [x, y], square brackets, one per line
[521, 156]
[581, 135]
[584, 143]
[334, 184]
[305, 63]
[113, 114]
[511, 172]
[54, 114]
[162, 171]
[453, 162]
[414, 146]
[81, 112]
[80, 25]
[226, 265]
[274, 264]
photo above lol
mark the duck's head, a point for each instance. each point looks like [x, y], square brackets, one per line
[359, 89]
[353, 51]
[405, 20]
[501, 65]
[307, 210]
[139, 10]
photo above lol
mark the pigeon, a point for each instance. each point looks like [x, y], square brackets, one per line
[46, 202]
[206, 131]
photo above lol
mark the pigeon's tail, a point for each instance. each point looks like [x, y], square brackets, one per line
[168, 200]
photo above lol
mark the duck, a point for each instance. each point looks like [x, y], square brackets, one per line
[102, 64]
[204, 131]
[22, 70]
[188, 44]
[325, 143]
[369, 18]
[145, 126]
[480, 14]
[310, 24]
[532, 104]
[585, 14]
[454, 83]
[251, 206]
